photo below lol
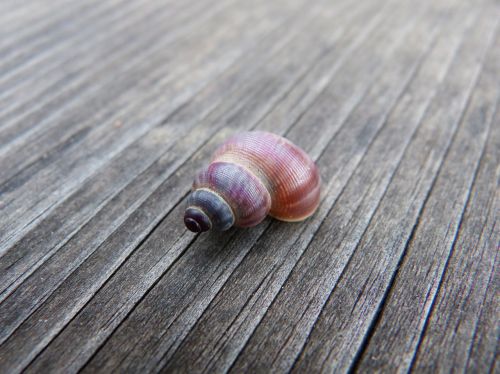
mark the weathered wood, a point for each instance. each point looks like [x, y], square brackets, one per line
[91, 145]
[143, 256]
[390, 141]
[140, 61]
[462, 329]
[364, 280]
[25, 53]
[160, 350]
[167, 161]
[40, 18]
[108, 108]
[314, 277]
[182, 149]
[127, 165]
[47, 70]
[434, 240]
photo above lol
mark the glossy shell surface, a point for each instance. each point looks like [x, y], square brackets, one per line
[244, 193]
[251, 175]
[285, 170]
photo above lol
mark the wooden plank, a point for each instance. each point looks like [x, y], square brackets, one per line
[96, 80]
[151, 254]
[46, 79]
[462, 330]
[312, 280]
[168, 137]
[39, 17]
[361, 288]
[106, 112]
[23, 50]
[231, 318]
[81, 153]
[153, 206]
[173, 315]
[92, 196]
[92, 72]
[428, 253]
[189, 176]
[157, 144]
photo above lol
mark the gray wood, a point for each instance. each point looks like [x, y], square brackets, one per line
[40, 21]
[316, 278]
[143, 257]
[154, 301]
[108, 108]
[92, 145]
[46, 67]
[124, 167]
[392, 139]
[25, 53]
[187, 175]
[165, 164]
[435, 240]
[462, 329]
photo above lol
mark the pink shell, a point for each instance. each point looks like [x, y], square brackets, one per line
[287, 172]
[246, 195]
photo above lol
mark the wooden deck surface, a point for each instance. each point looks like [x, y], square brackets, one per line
[107, 109]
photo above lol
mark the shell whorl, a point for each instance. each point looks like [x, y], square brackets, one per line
[254, 173]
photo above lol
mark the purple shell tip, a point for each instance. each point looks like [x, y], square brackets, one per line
[192, 225]
[196, 221]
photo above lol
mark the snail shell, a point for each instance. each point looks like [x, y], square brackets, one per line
[251, 175]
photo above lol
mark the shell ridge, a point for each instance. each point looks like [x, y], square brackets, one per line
[241, 189]
[259, 176]
[219, 196]
[255, 174]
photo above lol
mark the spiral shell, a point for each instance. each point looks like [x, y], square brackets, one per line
[251, 175]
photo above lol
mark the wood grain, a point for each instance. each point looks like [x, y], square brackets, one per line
[453, 183]
[108, 108]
